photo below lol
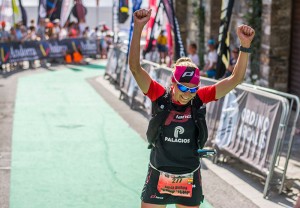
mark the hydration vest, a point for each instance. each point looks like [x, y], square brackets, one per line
[160, 111]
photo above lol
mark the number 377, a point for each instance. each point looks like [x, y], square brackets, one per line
[176, 180]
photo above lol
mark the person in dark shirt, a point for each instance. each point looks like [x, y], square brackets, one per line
[233, 59]
[174, 169]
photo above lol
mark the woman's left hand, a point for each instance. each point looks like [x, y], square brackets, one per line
[246, 34]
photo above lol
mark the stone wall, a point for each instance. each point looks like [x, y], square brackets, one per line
[278, 38]
[192, 19]
[276, 31]
[212, 18]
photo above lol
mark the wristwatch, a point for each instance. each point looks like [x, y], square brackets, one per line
[246, 50]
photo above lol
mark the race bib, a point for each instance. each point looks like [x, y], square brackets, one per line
[176, 185]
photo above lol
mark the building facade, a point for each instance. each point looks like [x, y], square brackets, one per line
[278, 50]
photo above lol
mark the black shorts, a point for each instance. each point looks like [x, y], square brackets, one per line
[151, 195]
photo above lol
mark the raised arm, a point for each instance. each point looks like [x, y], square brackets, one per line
[141, 17]
[245, 35]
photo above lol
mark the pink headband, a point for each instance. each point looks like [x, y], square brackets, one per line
[186, 74]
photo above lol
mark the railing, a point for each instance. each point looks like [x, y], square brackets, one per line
[249, 123]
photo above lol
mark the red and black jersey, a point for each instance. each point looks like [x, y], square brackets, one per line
[176, 149]
[206, 94]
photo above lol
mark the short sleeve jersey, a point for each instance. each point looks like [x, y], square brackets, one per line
[176, 149]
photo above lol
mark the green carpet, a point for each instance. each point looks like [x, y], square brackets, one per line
[70, 148]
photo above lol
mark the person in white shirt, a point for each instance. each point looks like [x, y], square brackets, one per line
[209, 69]
[192, 50]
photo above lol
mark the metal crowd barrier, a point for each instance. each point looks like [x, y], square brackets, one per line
[294, 104]
[248, 111]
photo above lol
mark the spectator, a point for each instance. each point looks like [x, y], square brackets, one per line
[50, 34]
[4, 35]
[41, 30]
[13, 34]
[209, 69]
[56, 28]
[31, 33]
[103, 44]
[24, 33]
[86, 32]
[19, 34]
[192, 50]
[63, 33]
[72, 33]
[32, 23]
[162, 47]
[233, 59]
[95, 34]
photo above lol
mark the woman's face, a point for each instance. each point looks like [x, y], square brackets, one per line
[183, 97]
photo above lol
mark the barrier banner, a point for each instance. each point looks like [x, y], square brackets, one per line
[213, 113]
[14, 52]
[164, 76]
[112, 61]
[248, 127]
[33, 50]
[86, 46]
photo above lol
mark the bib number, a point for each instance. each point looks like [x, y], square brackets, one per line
[176, 185]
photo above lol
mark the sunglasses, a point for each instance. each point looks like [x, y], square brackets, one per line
[184, 88]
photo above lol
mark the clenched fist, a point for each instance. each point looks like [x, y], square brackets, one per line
[141, 17]
[246, 35]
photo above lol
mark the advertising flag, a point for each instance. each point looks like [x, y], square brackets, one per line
[223, 48]
[179, 47]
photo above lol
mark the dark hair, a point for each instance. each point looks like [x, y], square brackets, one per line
[193, 45]
[235, 50]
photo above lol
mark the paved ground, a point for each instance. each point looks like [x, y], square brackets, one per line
[65, 109]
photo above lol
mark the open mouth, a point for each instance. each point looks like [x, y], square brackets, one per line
[185, 98]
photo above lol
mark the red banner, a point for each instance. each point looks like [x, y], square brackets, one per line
[153, 6]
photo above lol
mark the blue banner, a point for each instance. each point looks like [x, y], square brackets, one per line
[11, 52]
[136, 5]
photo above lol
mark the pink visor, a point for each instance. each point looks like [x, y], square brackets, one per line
[186, 74]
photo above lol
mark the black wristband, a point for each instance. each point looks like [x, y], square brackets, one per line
[246, 50]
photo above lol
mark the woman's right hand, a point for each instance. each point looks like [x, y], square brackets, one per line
[141, 17]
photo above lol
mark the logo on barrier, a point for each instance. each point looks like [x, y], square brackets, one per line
[44, 49]
[4, 54]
